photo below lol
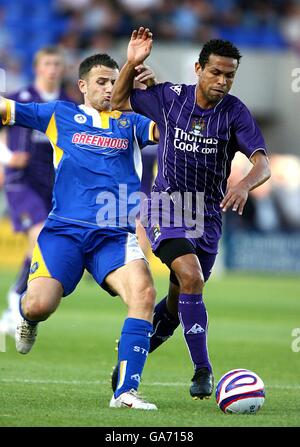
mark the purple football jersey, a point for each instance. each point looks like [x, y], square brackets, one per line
[39, 173]
[197, 145]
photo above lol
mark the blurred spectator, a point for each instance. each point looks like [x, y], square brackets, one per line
[72, 5]
[133, 6]
[15, 76]
[291, 25]
[1, 177]
[100, 15]
[260, 23]
[275, 205]
[286, 189]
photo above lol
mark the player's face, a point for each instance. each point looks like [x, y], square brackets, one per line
[98, 86]
[50, 68]
[216, 78]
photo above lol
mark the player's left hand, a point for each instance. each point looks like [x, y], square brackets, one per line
[139, 46]
[145, 76]
[235, 198]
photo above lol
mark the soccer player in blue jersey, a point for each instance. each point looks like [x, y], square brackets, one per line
[28, 186]
[96, 152]
[201, 127]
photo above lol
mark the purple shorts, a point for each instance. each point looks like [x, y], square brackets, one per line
[205, 236]
[27, 207]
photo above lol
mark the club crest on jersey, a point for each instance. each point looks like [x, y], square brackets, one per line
[124, 123]
[79, 118]
[198, 125]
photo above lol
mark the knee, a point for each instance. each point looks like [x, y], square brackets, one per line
[142, 299]
[148, 297]
[191, 280]
[36, 307]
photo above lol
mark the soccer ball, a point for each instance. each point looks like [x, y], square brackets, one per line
[240, 391]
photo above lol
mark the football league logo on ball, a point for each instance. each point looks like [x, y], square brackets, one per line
[240, 391]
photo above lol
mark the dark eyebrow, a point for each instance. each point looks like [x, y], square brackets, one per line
[225, 72]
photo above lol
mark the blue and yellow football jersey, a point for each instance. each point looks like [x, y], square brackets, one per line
[94, 153]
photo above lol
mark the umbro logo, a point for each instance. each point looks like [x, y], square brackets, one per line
[176, 89]
[196, 329]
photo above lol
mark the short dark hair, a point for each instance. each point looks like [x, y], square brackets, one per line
[219, 47]
[95, 60]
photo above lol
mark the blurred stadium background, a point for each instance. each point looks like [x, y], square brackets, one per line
[265, 241]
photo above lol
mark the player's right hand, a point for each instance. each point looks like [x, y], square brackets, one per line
[19, 160]
[139, 46]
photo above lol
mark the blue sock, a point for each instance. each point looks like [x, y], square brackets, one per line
[132, 353]
[164, 324]
[193, 317]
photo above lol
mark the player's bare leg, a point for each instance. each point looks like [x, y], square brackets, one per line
[142, 238]
[39, 302]
[134, 284]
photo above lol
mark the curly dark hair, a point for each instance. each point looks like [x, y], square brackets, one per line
[219, 47]
[95, 60]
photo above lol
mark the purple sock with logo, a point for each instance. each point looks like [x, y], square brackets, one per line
[193, 317]
[20, 284]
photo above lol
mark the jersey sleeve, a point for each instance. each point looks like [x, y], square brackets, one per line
[144, 129]
[152, 101]
[31, 115]
[247, 133]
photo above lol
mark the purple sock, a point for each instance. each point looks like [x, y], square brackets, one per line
[193, 317]
[20, 284]
[164, 324]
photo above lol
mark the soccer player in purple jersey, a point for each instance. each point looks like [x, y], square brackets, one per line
[28, 186]
[201, 127]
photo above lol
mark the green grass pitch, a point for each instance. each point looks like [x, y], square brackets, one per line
[64, 381]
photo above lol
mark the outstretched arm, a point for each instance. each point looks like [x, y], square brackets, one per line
[237, 195]
[139, 48]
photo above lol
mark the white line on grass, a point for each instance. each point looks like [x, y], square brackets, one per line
[105, 382]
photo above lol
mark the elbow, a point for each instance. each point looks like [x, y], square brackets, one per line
[267, 170]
